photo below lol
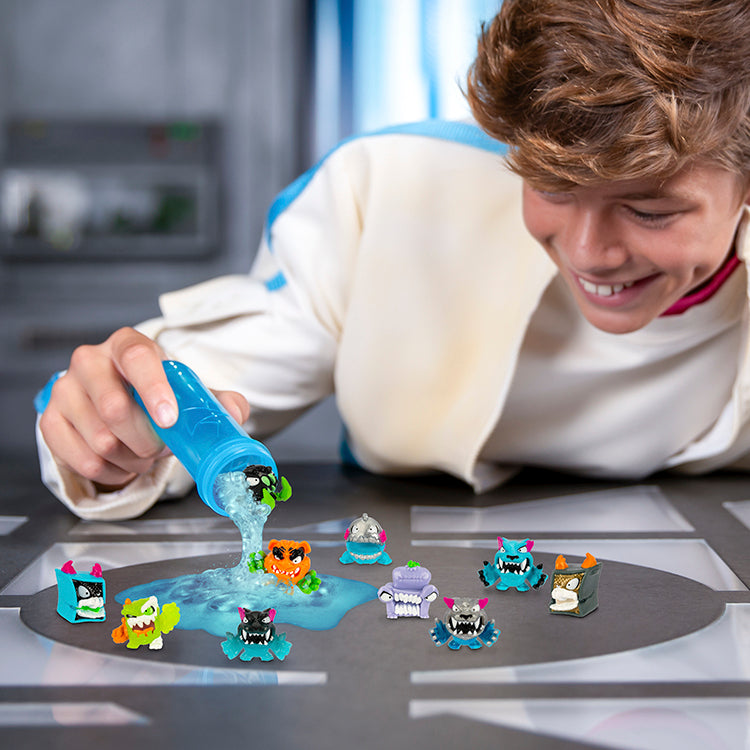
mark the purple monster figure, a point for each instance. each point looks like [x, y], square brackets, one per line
[410, 594]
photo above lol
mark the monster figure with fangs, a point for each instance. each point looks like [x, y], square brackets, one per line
[80, 596]
[256, 637]
[289, 561]
[513, 567]
[144, 623]
[365, 543]
[410, 593]
[465, 626]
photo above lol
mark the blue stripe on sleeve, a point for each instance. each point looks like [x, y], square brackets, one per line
[459, 132]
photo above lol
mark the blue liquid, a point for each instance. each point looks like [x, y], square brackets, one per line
[209, 600]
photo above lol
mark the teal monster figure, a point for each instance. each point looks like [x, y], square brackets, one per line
[80, 596]
[513, 567]
[365, 543]
[144, 623]
[256, 637]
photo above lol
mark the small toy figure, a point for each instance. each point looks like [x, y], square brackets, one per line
[513, 567]
[365, 542]
[289, 561]
[465, 626]
[575, 591]
[144, 624]
[256, 637]
[80, 596]
[263, 487]
[410, 593]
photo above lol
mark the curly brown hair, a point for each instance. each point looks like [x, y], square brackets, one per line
[586, 91]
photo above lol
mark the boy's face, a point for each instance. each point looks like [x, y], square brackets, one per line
[629, 250]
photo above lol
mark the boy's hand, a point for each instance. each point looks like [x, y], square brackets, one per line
[93, 425]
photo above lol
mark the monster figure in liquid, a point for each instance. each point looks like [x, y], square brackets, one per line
[410, 593]
[80, 596]
[256, 637]
[465, 625]
[144, 623]
[365, 542]
[263, 487]
[513, 567]
[575, 590]
[289, 561]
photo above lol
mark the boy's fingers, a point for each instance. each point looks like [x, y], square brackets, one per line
[139, 361]
[235, 403]
[72, 451]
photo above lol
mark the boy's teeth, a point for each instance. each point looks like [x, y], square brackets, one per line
[603, 290]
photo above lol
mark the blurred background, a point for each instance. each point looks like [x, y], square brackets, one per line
[142, 141]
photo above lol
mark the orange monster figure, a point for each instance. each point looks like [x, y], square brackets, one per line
[289, 561]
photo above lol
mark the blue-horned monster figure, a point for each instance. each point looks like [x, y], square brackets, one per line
[410, 593]
[365, 542]
[513, 567]
[256, 637]
[465, 625]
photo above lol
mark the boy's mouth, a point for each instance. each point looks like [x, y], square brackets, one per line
[603, 290]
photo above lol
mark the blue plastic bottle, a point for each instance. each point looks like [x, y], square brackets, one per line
[205, 439]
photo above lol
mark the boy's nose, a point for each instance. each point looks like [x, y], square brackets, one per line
[592, 244]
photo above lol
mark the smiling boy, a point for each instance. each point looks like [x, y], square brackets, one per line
[584, 310]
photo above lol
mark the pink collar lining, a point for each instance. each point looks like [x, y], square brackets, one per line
[706, 291]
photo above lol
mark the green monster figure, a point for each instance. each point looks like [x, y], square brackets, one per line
[143, 623]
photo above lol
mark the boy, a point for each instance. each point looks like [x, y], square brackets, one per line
[584, 310]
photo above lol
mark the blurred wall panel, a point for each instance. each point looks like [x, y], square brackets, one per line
[244, 64]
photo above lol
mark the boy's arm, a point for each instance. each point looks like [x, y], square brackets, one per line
[271, 335]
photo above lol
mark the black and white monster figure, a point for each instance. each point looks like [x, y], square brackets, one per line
[465, 626]
[410, 593]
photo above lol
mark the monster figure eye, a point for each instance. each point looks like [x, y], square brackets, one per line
[266, 620]
[475, 608]
[253, 481]
[455, 608]
[278, 553]
[372, 529]
[297, 555]
[149, 611]
[502, 549]
[83, 592]
[572, 584]
[523, 550]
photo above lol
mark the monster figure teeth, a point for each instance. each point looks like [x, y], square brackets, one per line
[91, 607]
[565, 600]
[505, 566]
[408, 598]
[464, 628]
[256, 639]
[360, 556]
[406, 610]
[287, 573]
[141, 623]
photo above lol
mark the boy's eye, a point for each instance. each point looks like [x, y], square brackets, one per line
[651, 218]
